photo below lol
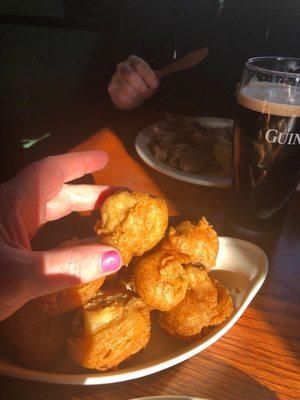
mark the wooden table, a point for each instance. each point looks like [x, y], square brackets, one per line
[258, 359]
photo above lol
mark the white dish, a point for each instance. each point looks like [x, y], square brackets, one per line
[142, 147]
[241, 266]
[170, 398]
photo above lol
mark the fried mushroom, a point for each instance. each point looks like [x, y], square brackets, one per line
[69, 299]
[195, 311]
[32, 338]
[225, 305]
[110, 328]
[132, 222]
[198, 241]
[160, 279]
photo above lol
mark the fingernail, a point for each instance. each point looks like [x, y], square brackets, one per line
[110, 261]
[116, 189]
[108, 192]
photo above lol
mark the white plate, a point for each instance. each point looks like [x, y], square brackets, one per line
[170, 398]
[241, 266]
[143, 140]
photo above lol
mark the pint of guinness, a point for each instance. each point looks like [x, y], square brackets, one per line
[266, 156]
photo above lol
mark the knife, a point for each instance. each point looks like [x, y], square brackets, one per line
[185, 62]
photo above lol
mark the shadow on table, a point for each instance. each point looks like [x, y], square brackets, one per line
[202, 376]
[278, 302]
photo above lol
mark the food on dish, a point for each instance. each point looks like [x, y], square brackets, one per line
[225, 305]
[33, 338]
[122, 280]
[196, 310]
[109, 329]
[186, 144]
[160, 279]
[132, 222]
[73, 297]
[69, 299]
[198, 241]
[222, 153]
[206, 303]
[112, 320]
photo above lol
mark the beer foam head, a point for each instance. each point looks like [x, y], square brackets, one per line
[271, 98]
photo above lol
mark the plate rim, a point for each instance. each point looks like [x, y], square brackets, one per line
[168, 397]
[99, 378]
[203, 180]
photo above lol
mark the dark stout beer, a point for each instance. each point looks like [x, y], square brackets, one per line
[266, 158]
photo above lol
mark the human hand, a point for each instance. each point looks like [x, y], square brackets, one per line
[132, 83]
[36, 195]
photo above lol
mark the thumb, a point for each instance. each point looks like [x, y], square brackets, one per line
[65, 267]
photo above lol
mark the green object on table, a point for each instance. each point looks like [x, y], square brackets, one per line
[29, 142]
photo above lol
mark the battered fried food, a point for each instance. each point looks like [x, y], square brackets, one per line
[32, 338]
[198, 241]
[71, 298]
[225, 305]
[113, 324]
[109, 329]
[160, 279]
[132, 222]
[123, 280]
[196, 310]
[206, 303]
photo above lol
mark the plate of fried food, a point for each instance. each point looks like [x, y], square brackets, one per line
[181, 288]
[191, 149]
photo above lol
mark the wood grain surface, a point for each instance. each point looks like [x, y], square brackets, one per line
[259, 358]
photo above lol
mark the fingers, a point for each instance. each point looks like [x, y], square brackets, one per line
[129, 90]
[75, 165]
[145, 71]
[77, 198]
[73, 198]
[133, 82]
[126, 74]
[47, 176]
[31, 189]
[121, 100]
[65, 267]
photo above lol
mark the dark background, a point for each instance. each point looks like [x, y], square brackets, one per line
[57, 57]
[52, 70]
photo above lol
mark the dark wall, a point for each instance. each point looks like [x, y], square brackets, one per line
[52, 75]
[41, 8]
[42, 67]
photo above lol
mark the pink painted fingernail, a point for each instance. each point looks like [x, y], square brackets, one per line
[110, 261]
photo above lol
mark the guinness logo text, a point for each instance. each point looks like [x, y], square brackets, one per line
[274, 136]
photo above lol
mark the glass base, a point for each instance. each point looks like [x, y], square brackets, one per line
[233, 229]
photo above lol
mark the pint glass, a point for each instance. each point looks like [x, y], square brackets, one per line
[266, 155]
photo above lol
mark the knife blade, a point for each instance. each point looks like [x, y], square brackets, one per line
[185, 62]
